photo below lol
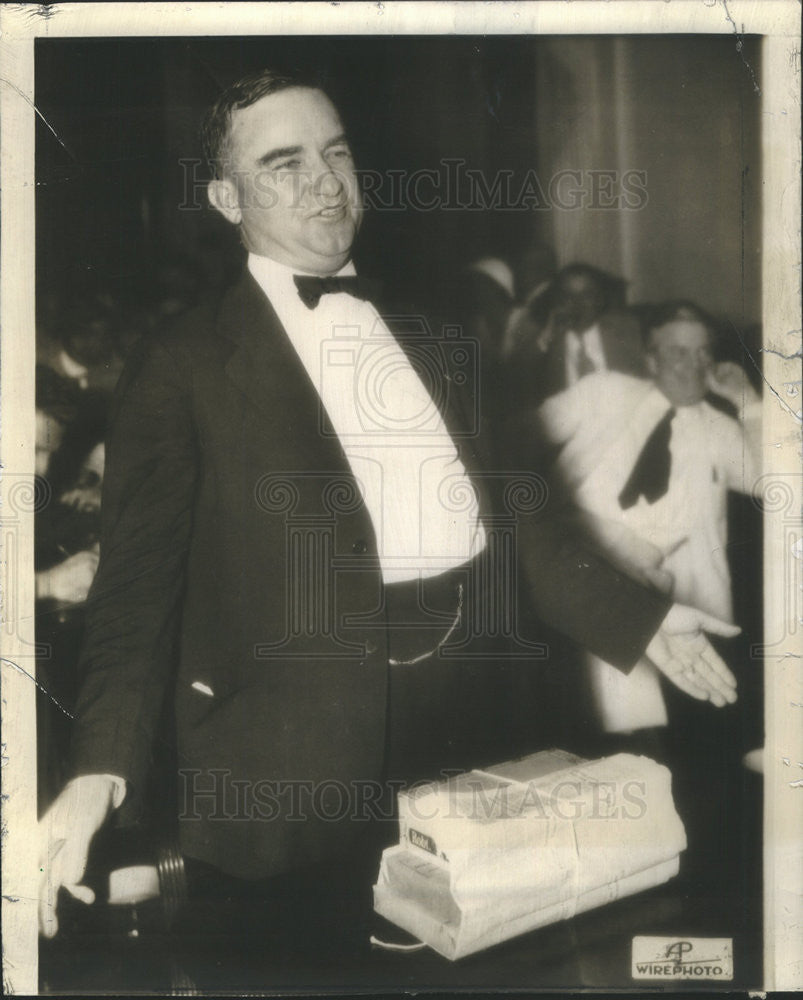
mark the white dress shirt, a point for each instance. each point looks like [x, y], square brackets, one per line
[589, 340]
[423, 507]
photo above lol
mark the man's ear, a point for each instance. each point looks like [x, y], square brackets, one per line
[651, 363]
[224, 198]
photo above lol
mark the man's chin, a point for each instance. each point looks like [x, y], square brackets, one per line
[333, 253]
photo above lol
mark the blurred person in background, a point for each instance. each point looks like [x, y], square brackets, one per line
[587, 330]
[482, 299]
[80, 343]
[652, 468]
[496, 299]
[534, 273]
[65, 566]
[178, 283]
[70, 424]
[647, 464]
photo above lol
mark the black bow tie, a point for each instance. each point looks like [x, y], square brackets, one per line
[310, 289]
[650, 475]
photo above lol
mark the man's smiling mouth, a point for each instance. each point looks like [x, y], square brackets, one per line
[332, 213]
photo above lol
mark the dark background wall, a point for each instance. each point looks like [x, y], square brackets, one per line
[118, 117]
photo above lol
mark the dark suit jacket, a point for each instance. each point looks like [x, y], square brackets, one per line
[238, 559]
[621, 343]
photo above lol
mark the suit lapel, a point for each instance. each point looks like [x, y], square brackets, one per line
[265, 367]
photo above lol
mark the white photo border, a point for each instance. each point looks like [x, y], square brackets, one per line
[776, 20]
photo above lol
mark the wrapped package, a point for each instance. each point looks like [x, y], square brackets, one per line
[489, 854]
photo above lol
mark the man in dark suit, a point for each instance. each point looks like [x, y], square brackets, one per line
[588, 330]
[294, 532]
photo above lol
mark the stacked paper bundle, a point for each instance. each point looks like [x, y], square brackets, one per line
[492, 853]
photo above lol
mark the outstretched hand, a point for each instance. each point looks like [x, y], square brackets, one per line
[681, 651]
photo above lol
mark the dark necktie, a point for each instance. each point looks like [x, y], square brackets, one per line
[650, 475]
[310, 289]
[584, 364]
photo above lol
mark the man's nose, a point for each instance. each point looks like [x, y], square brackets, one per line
[328, 184]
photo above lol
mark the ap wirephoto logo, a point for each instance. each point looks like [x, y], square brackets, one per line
[682, 958]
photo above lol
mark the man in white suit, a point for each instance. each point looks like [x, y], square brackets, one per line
[647, 464]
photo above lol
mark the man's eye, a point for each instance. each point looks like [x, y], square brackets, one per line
[342, 153]
[293, 164]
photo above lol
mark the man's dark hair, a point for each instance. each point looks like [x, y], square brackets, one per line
[216, 125]
[611, 289]
[87, 326]
[671, 312]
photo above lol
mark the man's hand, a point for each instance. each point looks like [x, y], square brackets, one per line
[730, 381]
[69, 582]
[65, 833]
[680, 650]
